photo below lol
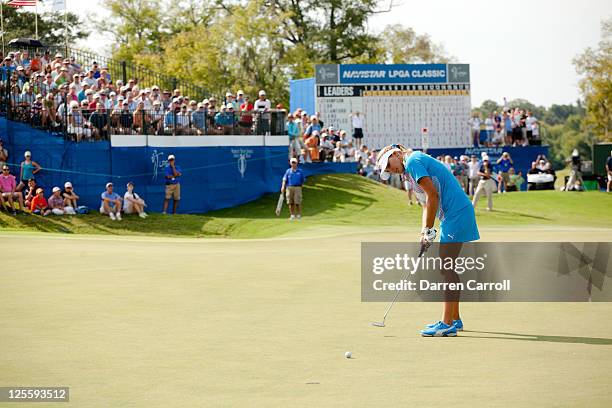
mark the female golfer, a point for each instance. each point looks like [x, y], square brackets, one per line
[440, 194]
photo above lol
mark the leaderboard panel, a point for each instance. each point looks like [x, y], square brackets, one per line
[433, 96]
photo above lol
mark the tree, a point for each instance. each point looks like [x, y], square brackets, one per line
[595, 66]
[136, 25]
[402, 45]
[21, 23]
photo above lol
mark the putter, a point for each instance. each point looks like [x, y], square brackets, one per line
[382, 324]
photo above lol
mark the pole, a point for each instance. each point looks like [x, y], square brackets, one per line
[2, 25]
[36, 18]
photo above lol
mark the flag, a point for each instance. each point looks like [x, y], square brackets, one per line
[22, 3]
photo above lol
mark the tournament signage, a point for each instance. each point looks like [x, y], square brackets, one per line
[398, 101]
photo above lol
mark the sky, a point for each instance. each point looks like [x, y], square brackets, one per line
[516, 49]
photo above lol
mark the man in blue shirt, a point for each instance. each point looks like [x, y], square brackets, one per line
[111, 203]
[172, 174]
[293, 180]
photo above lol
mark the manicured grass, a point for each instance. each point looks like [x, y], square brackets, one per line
[334, 203]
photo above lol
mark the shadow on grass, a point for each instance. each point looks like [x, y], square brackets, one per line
[321, 194]
[520, 214]
[538, 337]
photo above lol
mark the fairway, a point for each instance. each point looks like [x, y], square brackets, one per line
[152, 322]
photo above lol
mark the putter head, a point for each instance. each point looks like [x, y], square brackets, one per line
[378, 324]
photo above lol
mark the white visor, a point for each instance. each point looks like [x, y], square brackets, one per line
[382, 162]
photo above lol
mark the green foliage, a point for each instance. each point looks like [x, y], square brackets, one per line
[595, 66]
[21, 23]
[255, 44]
[402, 45]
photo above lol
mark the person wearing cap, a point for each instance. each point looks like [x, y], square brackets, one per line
[504, 163]
[39, 204]
[56, 202]
[8, 190]
[198, 119]
[295, 143]
[239, 99]
[28, 169]
[111, 203]
[262, 106]
[133, 203]
[229, 101]
[245, 122]
[157, 116]
[173, 175]
[486, 185]
[70, 197]
[293, 180]
[439, 194]
[171, 117]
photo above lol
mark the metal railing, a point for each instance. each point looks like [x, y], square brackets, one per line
[119, 70]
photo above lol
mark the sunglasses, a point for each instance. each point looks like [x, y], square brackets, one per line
[5, 169]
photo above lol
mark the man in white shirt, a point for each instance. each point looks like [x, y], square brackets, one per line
[474, 178]
[529, 121]
[357, 120]
[263, 106]
[475, 124]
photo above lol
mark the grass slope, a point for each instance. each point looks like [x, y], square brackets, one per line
[332, 202]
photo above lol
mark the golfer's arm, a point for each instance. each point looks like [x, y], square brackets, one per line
[431, 204]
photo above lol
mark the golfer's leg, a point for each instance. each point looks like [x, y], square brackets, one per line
[165, 208]
[175, 206]
[451, 297]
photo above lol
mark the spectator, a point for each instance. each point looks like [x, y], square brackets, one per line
[198, 119]
[312, 144]
[357, 122]
[349, 152]
[293, 131]
[575, 177]
[339, 153]
[56, 202]
[8, 190]
[504, 163]
[100, 123]
[132, 203]
[263, 106]
[4, 155]
[70, 197]
[475, 124]
[111, 203]
[485, 184]
[474, 178]
[30, 192]
[39, 204]
[515, 180]
[27, 170]
[173, 184]
[293, 180]
[246, 115]
[460, 171]
[489, 129]
[77, 125]
[141, 119]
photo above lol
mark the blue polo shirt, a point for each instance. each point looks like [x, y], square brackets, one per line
[294, 178]
[504, 165]
[169, 172]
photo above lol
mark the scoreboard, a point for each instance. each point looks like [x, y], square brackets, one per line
[397, 101]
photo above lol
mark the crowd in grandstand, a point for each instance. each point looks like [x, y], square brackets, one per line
[511, 127]
[59, 93]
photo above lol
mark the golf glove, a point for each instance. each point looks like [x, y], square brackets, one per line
[428, 236]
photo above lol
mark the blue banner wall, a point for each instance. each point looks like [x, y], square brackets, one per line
[213, 177]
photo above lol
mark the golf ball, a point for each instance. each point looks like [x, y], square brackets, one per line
[348, 354]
